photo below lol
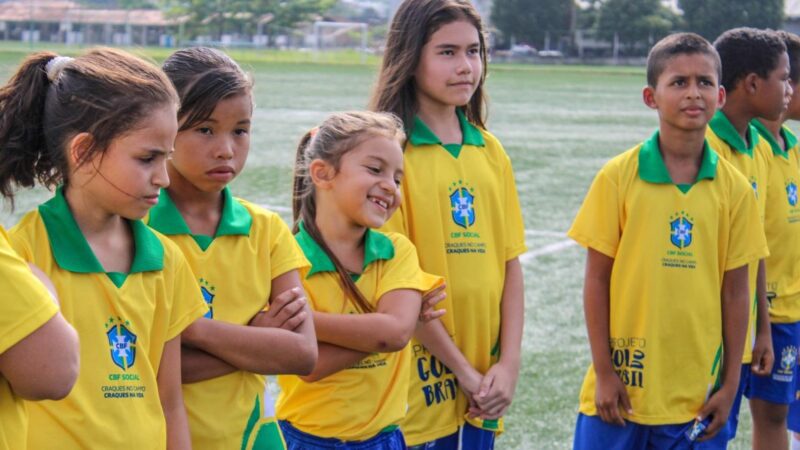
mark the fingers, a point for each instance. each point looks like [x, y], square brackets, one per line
[625, 401]
[609, 411]
[713, 428]
[432, 314]
[486, 385]
[429, 301]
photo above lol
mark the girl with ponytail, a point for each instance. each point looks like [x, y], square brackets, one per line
[364, 286]
[99, 129]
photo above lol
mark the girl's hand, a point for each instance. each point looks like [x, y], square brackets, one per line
[429, 300]
[497, 390]
[610, 396]
[718, 407]
[287, 311]
[763, 355]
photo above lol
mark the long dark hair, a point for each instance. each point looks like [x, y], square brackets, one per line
[104, 93]
[203, 76]
[412, 27]
[337, 135]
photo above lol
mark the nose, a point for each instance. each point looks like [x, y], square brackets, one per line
[464, 65]
[789, 89]
[693, 91]
[161, 176]
[225, 149]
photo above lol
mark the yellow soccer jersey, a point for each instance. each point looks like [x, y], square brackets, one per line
[782, 227]
[751, 159]
[460, 209]
[223, 411]
[665, 315]
[359, 402]
[123, 321]
[25, 307]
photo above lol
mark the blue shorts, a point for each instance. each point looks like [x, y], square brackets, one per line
[779, 386]
[471, 438]
[591, 433]
[728, 432]
[793, 420]
[297, 440]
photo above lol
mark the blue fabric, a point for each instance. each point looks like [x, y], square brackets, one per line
[779, 386]
[297, 440]
[446, 443]
[472, 438]
[793, 420]
[728, 432]
[591, 433]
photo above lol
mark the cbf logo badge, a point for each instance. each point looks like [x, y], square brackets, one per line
[122, 343]
[791, 193]
[680, 230]
[462, 204]
[208, 295]
[754, 185]
[788, 358]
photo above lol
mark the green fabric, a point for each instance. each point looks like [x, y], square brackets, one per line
[235, 220]
[723, 128]
[390, 428]
[251, 423]
[470, 135]
[268, 437]
[788, 138]
[653, 170]
[492, 424]
[72, 252]
[376, 246]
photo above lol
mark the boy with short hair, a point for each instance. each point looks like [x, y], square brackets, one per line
[755, 73]
[670, 229]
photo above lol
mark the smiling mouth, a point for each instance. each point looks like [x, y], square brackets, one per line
[382, 203]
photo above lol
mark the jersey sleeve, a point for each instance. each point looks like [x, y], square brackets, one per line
[515, 229]
[403, 270]
[27, 304]
[284, 251]
[597, 224]
[747, 241]
[187, 299]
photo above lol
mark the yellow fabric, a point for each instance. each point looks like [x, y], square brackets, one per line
[755, 170]
[357, 403]
[236, 273]
[111, 406]
[782, 227]
[25, 307]
[665, 315]
[472, 260]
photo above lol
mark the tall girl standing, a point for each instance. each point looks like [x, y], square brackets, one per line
[244, 257]
[101, 127]
[460, 208]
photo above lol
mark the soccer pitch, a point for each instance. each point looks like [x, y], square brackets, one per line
[558, 124]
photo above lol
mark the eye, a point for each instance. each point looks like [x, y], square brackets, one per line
[474, 51]
[241, 131]
[706, 83]
[375, 170]
[447, 52]
[204, 130]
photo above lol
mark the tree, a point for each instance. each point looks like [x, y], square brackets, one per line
[529, 21]
[710, 18]
[635, 22]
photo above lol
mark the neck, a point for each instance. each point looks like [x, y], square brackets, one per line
[739, 115]
[190, 200]
[774, 126]
[441, 119]
[341, 235]
[682, 144]
[91, 217]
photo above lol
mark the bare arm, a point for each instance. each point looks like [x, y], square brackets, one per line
[433, 335]
[197, 365]
[259, 349]
[387, 330]
[332, 359]
[169, 390]
[763, 354]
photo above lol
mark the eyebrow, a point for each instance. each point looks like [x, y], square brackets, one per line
[452, 46]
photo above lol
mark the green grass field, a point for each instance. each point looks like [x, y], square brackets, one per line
[559, 125]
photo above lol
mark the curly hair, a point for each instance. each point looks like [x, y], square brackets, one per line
[748, 50]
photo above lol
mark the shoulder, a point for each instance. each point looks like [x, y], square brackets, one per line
[398, 241]
[173, 255]
[731, 179]
[29, 231]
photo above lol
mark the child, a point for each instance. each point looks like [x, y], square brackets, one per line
[38, 348]
[460, 208]
[364, 287]
[661, 317]
[102, 126]
[755, 70]
[226, 353]
[783, 213]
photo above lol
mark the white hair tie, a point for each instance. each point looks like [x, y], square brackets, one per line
[55, 66]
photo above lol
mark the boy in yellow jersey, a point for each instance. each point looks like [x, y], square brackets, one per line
[660, 315]
[782, 225]
[122, 335]
[755, 70]
[38, 348]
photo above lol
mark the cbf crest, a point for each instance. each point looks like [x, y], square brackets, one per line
[122, 342]
[788, 358]
[462, 204]
[791, 193]
[681, 226]
[208, 295]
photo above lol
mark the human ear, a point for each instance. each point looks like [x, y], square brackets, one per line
[649, 97]
[78, 148]
[321, 173]
[751, 83]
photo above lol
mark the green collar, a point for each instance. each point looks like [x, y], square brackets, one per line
[471, 135]
[653, 170]
[723, 128]
[235, 221]
[376, 246]
[71, 251]
[788, 137]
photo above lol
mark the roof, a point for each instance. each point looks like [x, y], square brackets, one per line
[56, 11]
